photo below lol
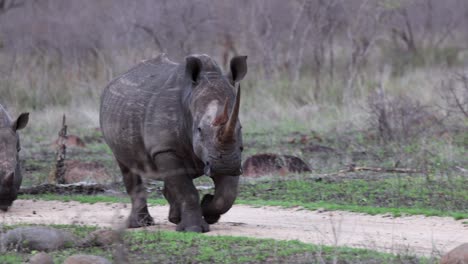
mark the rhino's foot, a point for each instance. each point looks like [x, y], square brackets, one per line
[209, 218]
[174, 214]
[203, 227]
[175, 219]
[212, 219]
[140, 221]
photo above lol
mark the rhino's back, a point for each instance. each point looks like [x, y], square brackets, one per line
[127, 100]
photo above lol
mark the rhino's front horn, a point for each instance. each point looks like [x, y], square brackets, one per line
[230, 127]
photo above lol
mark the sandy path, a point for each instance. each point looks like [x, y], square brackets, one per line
[416, 234]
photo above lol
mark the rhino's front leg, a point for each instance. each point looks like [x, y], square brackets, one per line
[181, 193]
[174, 209]
[225, 195]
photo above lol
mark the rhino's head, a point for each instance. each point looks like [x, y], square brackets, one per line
[10, 177]
[214, 108]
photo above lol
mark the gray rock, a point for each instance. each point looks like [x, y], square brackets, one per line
[41, 258]
[86, 259]
[37, 238]
[101, 238]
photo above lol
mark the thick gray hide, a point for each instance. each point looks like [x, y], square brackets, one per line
[10, 173]
[37, 238]
[175, 122]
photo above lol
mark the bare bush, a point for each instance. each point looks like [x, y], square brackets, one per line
[401, 118]
[53, 51]
[454, 93]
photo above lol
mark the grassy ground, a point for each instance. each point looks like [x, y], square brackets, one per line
[408, 195]
[326, 134]
[438, 191]
[172, 247]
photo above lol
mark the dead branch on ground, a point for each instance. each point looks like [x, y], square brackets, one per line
[78, 188]
[354, 168]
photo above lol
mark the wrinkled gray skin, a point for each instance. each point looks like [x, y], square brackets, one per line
[10, 173]
[176, 122]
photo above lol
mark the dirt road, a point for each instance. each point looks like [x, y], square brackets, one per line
[415, 234]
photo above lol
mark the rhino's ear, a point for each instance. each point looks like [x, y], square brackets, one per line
[193, 68]
[238, 67]
[20, 122]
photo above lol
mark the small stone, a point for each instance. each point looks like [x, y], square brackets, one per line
[103, 237]
[321, 210]
[86, 259]
[41, 258]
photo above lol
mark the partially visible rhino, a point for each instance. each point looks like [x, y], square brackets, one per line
[175, 122]
[10, 173]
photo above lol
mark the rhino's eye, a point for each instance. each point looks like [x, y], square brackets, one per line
[199, 129]
[241, 148]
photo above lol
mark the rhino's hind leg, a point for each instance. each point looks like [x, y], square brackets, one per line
[214, 206]
[139, 215]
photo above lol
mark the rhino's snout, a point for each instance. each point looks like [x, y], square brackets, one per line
[4, 208]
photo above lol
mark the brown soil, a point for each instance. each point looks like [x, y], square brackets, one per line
[78, 171]
[414, 234]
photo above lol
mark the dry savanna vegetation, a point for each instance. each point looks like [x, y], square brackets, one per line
[371, 95]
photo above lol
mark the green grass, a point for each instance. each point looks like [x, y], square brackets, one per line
[402, 195]
[90, 199]
[354, 208]
[145, 246]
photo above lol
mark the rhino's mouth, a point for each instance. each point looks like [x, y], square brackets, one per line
[5, 203]
[209, 171]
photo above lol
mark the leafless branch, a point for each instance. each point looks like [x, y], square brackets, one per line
[152, 33]
[7, 5]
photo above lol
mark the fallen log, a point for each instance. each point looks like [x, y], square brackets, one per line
[354, 168]
[75, 188]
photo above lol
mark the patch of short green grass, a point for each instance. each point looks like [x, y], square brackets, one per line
[401, 195]
[144, 246]
[90, 199]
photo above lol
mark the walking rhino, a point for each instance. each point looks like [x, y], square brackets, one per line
[10, 173]
[176, 122]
